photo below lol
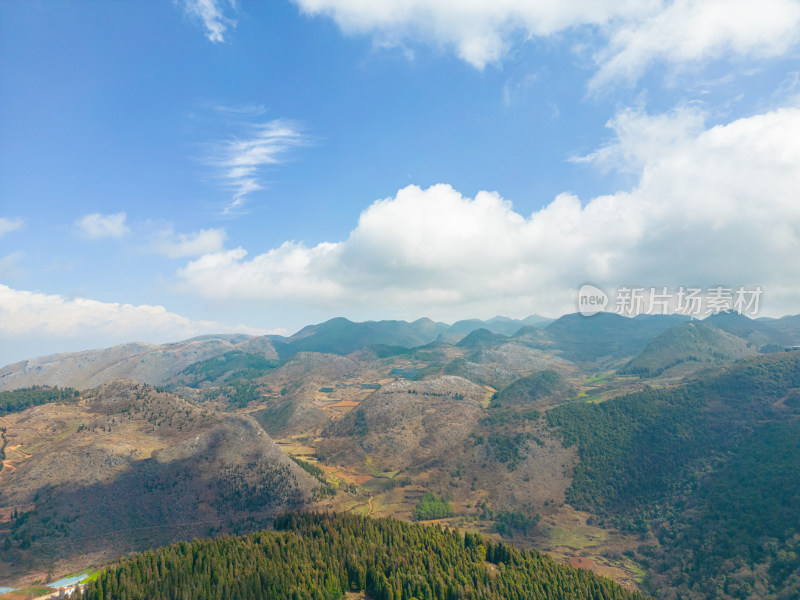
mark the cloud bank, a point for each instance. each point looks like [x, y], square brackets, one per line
[56, 323]
[691, 31]
[632, 33]
[712, 205]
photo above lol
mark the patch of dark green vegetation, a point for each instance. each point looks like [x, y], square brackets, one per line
[742, 535]
[226, 367]
[257, 486]
[537, 386]
[275, 417]
[360, 425]
[323, 556]
[513, 404]
[499, 415]
[508, 449]
[312, 470]
[3, 444]
[710, 467]
[23, 398]
[238, 393]
[792, 400]
[20, 535]
[384, 351]
[650, 372]
[506, 522]
[326, 489]
[431, 506]
[353, 424]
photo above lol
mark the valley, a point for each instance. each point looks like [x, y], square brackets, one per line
[533, 437]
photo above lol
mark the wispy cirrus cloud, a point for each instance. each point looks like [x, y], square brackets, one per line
[240, 110]
[97, 226]
[180, 245]
[243, 161]
[8, 264]
[212, 15]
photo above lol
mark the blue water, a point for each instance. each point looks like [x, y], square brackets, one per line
[5, 590]
[68, 581]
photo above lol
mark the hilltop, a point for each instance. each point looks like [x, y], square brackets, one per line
[327, 556]
[144, 363]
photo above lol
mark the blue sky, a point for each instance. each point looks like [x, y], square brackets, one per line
[170, 168]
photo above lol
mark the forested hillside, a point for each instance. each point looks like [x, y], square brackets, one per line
[710, 467]
[19, 400]
[322, 556]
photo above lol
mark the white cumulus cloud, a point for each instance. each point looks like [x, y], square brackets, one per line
[712, 205]
[96, 226]
[691, 31]
[479, 31]
[628, 35]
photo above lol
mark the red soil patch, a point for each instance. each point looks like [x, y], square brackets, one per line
[343, 404]
[578, 562]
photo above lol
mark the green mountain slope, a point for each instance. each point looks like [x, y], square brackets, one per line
[227, 367]
[606, 334]
[699, 342]
[789, 326]
[341, 336]
[526, 392]
[481, 338]
[502, 325]
[706, 466]
[742, 532]
[324, 556]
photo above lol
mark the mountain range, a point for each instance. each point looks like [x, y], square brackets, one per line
[658, 451]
